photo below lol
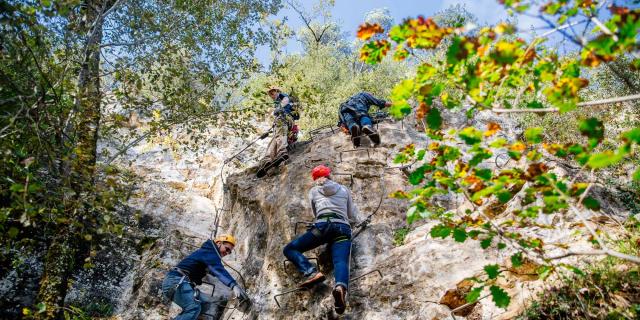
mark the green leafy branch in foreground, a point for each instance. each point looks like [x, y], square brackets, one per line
[443, 169]
[493, 68]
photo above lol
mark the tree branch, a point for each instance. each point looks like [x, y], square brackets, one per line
[581, 104]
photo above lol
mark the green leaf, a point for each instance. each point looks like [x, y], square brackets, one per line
[504, 196]
[400, 109]
[593, 129]
[534, 135]
[473, 294]
[498, 143]
[484, 174]
[636, 175]
[402, 91]
[470, 135]
[633, 135]
[485, 243]
[492, 270]
[13, 232]
[417, 176]
[501, 245]
[434, 119]
[459, 234]
[42, 307]
[543, 272]
[591, 203]
[604, 159]
[440, 231]
[499, 296]
[574, 269]
[516, 260]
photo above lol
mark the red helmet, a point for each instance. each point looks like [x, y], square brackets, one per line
[320, 171]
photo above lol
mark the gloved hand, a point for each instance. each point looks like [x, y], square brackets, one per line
[239, 293]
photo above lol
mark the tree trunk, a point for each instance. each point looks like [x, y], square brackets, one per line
[82, 130]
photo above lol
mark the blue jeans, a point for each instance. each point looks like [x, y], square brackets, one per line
[337, 235]
[183, 296]
[351, 119]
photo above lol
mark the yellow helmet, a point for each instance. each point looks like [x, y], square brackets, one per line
[226, 238]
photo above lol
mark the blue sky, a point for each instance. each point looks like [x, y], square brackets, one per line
[350, 14]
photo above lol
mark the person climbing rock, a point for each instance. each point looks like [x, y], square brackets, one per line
[284, 131]
[354, 117]
[180, 283]
[333, 209]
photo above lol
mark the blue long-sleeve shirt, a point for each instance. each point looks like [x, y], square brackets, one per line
[280, 106]
[207, 258]
[362, 102]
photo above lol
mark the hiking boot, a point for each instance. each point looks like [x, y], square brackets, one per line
[340, 299]
[282, 158]
[355, 135]
[312, 279]
[262, 171]
[372, 133]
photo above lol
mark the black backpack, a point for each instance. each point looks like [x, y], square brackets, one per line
[296, 108]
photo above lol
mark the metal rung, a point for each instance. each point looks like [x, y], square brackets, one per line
[345, 174]
[286, 292]
[317, 131]
[308, 162]
[356, 150]
[284, 263]
[354, 279]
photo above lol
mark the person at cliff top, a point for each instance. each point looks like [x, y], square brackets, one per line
[180, 283]
[284, 131]
[354, 116]
[333, 209]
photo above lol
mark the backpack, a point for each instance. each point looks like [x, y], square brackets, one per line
[296, 108]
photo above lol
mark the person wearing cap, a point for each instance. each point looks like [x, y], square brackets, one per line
[354, 116]
[285, 115]
[333, 210]
[180, 283]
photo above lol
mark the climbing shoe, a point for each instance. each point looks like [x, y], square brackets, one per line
[271, 164]
[312, 279]
[373, 134]
[282, 158]
[355, 135]
[262, 171]
[340, 299]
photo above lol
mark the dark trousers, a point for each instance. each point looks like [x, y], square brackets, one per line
[351, 118]
[182, 293]
[337, 236]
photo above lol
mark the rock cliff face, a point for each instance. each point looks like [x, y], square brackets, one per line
[399, 282]
[418, 278]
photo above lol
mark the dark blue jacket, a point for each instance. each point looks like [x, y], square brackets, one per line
[288, 108]
[361, 103]
[207, 258]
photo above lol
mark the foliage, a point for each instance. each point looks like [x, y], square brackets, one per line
[489, 69]
[607, 289]
[163, 60]
[399, 235]
[320, 78]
